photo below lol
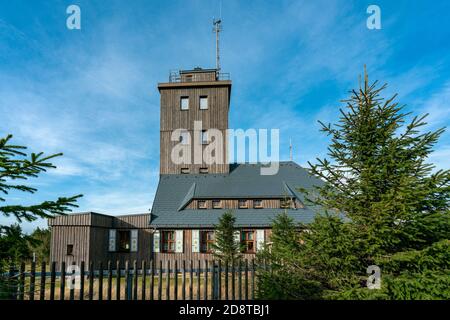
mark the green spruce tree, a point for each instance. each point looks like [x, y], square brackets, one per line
[225, 247]
[382, 204]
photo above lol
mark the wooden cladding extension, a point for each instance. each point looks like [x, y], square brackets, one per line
[234, 204]
[88, 236]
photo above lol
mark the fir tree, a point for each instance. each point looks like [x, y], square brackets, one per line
[225, 247]
[382, 203]
[15, 167]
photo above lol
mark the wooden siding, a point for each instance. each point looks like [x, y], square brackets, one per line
[198, 76]
[89, 235]
[62, 236]
[172, 118]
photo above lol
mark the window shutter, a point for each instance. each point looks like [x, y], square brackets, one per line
[156, 241]
[195, 240]
[179, 241]
[259, 239]
[112, 240]
[134, 240]
[237, 237]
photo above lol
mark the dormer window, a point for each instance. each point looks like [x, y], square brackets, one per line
[257, 204]
[242, 204]
[217, 204]
[184, 103]
[201, 204]
[285, 203]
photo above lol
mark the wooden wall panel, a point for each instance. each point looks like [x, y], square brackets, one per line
[172, 118]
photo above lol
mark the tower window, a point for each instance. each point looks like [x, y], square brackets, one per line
[204, 137]
[201, 204]
[203, 170]
[242, 204]
[257, 204]
[184, 137]
[204, 103]
[184, 103]
[184, 170]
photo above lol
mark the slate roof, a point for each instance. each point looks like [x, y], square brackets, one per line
[175, 191]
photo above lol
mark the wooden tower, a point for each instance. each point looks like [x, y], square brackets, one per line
[191, 96]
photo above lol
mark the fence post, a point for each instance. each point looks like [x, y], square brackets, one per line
[100, 281]
[91, 280]
[144, 275]
[135, 280]
[191, 279]
[118, 276]
[183, 280]
[128, 282]
[168, 280]
[205, 282]
[240, 279]
[52, 280]
[160, 281]
[152, 279]
[175, 281]
[62, 279]
[109, 280]
[72, 289]
[246, 280]
[253, 280]
[219, 282]
[81, 294]
[198, 281]
[22, 281]
[226, 280]
[233, 281]
[215, 281]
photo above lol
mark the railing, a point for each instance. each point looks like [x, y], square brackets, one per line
[174, 76]
[192, 280]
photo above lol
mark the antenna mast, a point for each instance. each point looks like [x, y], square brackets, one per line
[217, 28]
[290, 149]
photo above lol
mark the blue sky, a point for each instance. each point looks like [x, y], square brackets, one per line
[91, 93]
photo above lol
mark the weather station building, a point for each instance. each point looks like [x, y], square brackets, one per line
[190, 198]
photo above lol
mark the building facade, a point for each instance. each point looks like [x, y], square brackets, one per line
[195, 188]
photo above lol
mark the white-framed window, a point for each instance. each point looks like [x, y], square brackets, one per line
[184, 103]
[204, 137]
[203, 102]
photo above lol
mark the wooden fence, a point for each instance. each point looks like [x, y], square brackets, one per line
[192, 280]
